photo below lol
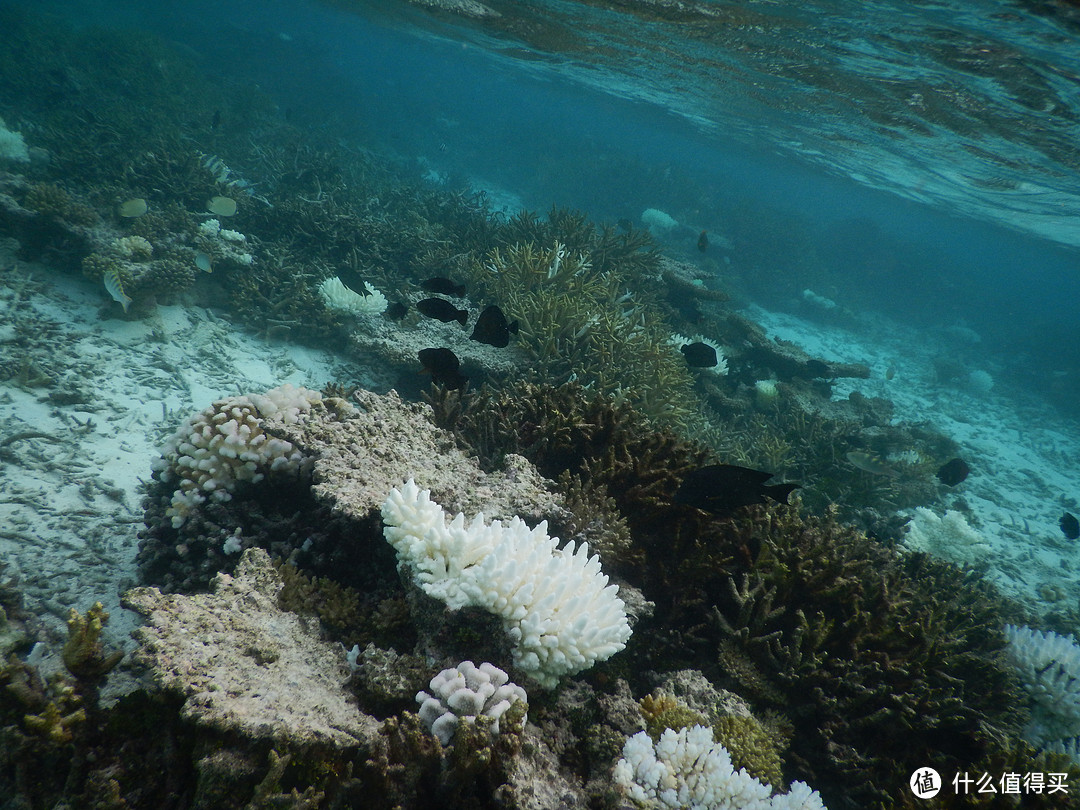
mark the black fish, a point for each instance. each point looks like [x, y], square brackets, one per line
[443, 286]
[442, 364]
[720, 488]
[625, 225]
[492, 328]
[396, 312]
[703, 242]
[699, 355]
[1070, 525]
[442, 310]
[953, 472]
[353, 281]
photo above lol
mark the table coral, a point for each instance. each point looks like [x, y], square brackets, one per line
[245, 666]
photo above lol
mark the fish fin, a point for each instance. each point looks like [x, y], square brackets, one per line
[780, 492]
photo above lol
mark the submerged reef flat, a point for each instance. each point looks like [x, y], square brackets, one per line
[204, 412]
[787, 613]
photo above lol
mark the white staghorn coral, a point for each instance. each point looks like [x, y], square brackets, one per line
[686, 769]
[556, 604]
[464, 693]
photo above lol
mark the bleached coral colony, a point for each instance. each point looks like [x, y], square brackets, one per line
[1049, 668]
[224, 445]
[686, 769]
[556, 604]
[465, 692]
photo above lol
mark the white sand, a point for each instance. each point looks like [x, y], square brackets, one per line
[71, 491]
[1024, 455]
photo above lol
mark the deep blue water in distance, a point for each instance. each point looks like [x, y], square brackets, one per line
[553, 129]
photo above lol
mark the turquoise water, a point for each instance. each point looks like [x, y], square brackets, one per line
[889, 184]
[926, 151]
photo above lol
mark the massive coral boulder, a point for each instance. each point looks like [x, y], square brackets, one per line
[326, 518]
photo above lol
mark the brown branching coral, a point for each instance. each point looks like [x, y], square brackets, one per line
[877, 668]
[588, 312]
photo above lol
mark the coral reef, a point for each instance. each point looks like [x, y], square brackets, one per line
[947, 536]
[225, 445]
[579, 320]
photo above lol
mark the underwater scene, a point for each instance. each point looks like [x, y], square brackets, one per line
[539, 404]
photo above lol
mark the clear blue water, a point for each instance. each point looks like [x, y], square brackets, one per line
[927, 153]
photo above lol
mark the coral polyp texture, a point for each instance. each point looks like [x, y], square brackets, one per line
[464, 693]
[556, 604]
[685, 768]
[1049, 668]
[225, 445]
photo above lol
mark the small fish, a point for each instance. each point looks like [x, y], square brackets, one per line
[867, 462]
[890, 372]
[699, 355]
[625, 225]
[130, 209]
[443, 366]
[703, 242]
[203, 262]
[1070, 526]
[442, 310]
[396, 311]
[492, 328]
[953, 472]
[116, 289]
[221, 206]
[720, 488]
[443, 286]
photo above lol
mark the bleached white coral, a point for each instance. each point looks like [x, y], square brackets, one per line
[12, 145]
[132, 247]
[948, 536]
[1049, 669]
[658, 221]
[464, 693]
[765, 392]
[223, 242]
[556, 604]
[721, 367]
[338, 296]
[686, 769]
[225, 445]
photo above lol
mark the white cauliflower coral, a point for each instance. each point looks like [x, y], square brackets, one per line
[225, 445]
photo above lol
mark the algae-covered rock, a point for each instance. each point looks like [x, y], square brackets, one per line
[384, 441]
[244, 665]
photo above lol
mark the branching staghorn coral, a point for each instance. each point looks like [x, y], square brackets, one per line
[581, 323]
[850, 639]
